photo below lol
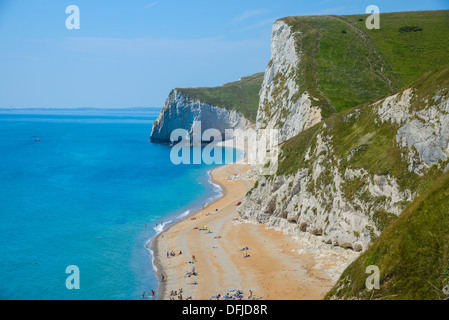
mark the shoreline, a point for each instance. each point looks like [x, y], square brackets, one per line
[152, 243]
[278, 267]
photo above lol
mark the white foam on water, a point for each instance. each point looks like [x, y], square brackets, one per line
[182, 215]
[160, 227]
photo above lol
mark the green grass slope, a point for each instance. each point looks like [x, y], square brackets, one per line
[359, 140]
[372, 144]
[242, 95]
[410, 52]
[412, 254]
[343, 64]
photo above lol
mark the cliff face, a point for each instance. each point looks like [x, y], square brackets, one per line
[281, 107]
[180, 111]
[344, 180]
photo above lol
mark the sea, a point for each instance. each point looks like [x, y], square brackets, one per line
[86, 188]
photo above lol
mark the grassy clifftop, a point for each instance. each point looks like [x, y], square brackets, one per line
[343, 64]
[412, 42]
[242, 95]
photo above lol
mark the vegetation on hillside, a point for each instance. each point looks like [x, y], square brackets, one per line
[341, 69]
[343, 64]
[347, 67]
[412, 253]
[413, 250]
[242, 95]
[410, 54]
[361, 141]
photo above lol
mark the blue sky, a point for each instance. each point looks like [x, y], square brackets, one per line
[131, 53]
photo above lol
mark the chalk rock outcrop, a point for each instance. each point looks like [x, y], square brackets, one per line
[424, 131]
[281, 107]
[180, 112]
[345, 206]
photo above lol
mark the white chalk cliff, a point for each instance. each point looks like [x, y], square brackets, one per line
[280, 107]
[313, 202]
[304, 206]
[180, 111]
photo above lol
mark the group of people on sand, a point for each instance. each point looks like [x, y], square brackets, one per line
[191, 273]
[246, 254]
[235, 295]
[205, 228]
[173, 254]
[178, 294]
[208, 214]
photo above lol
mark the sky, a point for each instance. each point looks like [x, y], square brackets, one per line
[131, 53]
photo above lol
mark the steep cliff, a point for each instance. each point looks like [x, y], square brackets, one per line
[279, 107]
[321, 65]
[345, 171]
[371, 176]
[231, 106]
[344, 180]
[363, 131]
[412, 254]
[180, 111]
[307, 79]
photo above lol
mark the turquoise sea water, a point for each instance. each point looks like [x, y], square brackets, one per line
[82, 196]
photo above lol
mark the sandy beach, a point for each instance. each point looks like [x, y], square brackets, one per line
[279, 266]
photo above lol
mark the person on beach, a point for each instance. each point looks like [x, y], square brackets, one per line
[162, 278]
[143, 295]
[153, 294]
